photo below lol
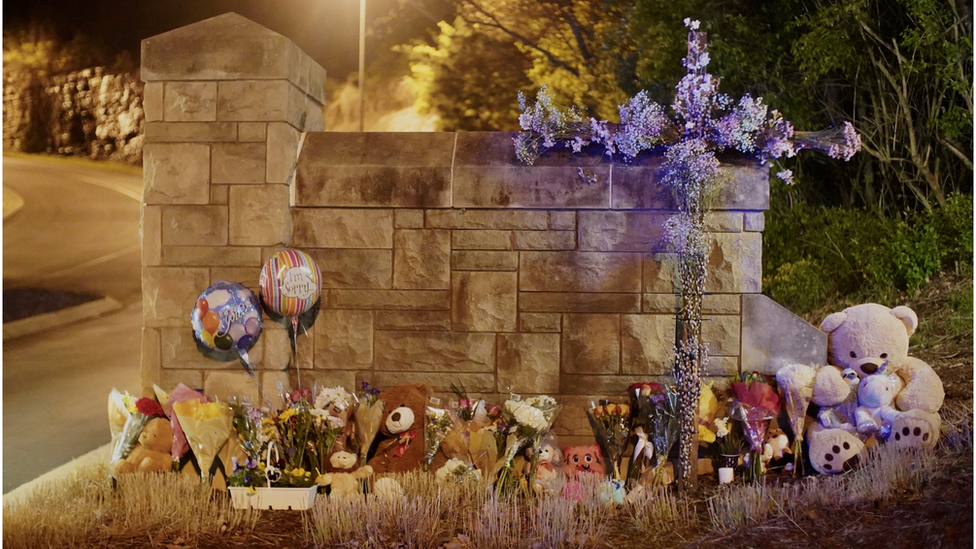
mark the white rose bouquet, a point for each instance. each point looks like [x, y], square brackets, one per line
[529, 421]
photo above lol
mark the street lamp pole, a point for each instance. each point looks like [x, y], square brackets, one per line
[362, 58]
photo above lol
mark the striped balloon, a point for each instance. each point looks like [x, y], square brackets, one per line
[290, 283]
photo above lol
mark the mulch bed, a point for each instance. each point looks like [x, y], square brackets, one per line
[25, 302]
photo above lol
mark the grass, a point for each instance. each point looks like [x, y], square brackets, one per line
[84, 510]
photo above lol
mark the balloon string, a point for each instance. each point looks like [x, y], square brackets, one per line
[294, 332]
[249, 368]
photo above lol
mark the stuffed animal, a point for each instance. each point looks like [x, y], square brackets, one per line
[151, 452]
[869, 338]
[583, 459]
[549, 459]
[874, 397]
[400, 446]
[841, 416]
[344, 483]
[777, 444]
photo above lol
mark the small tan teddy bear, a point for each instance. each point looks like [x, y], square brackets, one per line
[345, 484]
[151, 453]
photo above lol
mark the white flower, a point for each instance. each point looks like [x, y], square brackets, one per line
[531, 417]
[721, 427]
[336, 397]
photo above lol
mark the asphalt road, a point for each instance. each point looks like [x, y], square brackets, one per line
[78, 230]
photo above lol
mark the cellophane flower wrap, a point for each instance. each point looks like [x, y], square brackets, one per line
[330, 418]
[642, 414]
[180, 394]
[367, 417]
[121, 405]
[528, 423]
[796, 383]
[145, 409]
[611, 428]
[437, 424]
[664, 425]
[756, 402]
[207, 427]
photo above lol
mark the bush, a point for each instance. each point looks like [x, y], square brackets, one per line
[954, 226]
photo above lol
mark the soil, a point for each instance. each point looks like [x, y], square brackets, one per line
[25, 302]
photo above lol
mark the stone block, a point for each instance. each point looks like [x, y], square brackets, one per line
[362, 269]
[721, 334]
[488, 219]
[579, 302]
[259, 215]
[427, 300]
[591, 344]
[179, 350]
[152, 101]
[344, 339]
[190, 132]
[315, 119]
[282, 152]
[224, 386]
[735, 263]
[772, 337]
[647, 344]
[260, 101]
[238, 163]
[408, 219]
[421, 259]
[218, 194]
[194, 225]
[562, 221]
[211, 256]
[488, 175]
[277, 353]
[484, 261]
[528, 363]
[481, 240]
[150, 235]
[580, 272]
[603, 385]
[169, 379]
[474, 383]
[430, 321]
[545, 240]
[150, 363]
[252, 131]
[330, 378]
[342, 228]
[402, 170]
[169, 293]
[724, 222]
[724, 366]
[659, 274]
[660, 303]
[247, 276]
[625, 231]
[721, 304]
[190, 101]
[755, 221]
[637, 186]
[540, 322]
[176, 173]
[435, 352]
[484, 301]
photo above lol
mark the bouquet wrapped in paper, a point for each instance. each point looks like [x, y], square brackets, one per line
[611, 427]
[437, 424]
[756, 402]
[664, 426]
[145, 410]
[121, 406]
[207, 427]
[368, 415]
[528, 423]
[181, 393]
[796, 383]
[642, 412]
[331, 423]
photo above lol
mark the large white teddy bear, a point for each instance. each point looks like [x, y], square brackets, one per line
[869, 339]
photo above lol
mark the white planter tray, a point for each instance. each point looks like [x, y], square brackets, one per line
[296, 499]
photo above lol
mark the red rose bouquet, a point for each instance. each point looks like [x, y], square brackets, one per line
[756, 402]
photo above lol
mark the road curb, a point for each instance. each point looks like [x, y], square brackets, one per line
[56, 319]
[21, 493]
[12, 202]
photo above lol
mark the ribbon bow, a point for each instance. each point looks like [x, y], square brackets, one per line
[642, 444]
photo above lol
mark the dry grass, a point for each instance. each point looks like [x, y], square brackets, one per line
[74, 511]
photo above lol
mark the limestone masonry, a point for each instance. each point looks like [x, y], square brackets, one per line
[443, 258]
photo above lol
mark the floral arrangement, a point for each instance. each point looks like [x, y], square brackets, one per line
[458, 471]
[528, 423]
[642, 410]
[330, 417]
[207, 426]
[611, 427]
[728, 445]
[756, 402]
[368, 415]
[437, 424]
[796, 384]
[468, 409]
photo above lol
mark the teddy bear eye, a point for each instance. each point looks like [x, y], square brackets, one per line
[884, 355]
[853, 354]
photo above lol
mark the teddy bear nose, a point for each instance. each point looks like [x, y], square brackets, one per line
[396, 416]
[870, 367]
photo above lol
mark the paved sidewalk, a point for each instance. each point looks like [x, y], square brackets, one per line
[12, 202]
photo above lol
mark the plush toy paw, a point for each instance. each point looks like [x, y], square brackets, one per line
[915, 429]
[834, 451]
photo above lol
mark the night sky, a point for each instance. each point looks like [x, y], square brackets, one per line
[326, 29]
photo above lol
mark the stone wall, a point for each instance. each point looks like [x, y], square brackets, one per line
[444, 259]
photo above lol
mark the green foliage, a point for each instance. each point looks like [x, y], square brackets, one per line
[814, 253]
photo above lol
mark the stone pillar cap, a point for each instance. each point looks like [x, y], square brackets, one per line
[230, 47]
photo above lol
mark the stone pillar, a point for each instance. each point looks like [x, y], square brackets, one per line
[227, 102]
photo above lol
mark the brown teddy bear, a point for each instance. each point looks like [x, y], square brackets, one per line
[151, 453]
[401, 437]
